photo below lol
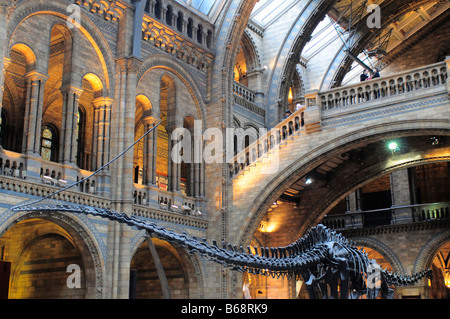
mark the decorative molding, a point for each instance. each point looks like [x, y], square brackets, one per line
[167, 40]
[7, 7]
[110, 10]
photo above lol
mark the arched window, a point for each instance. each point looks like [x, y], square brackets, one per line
[169, 14]
[158, 9]
[180, 22]
[48, 144]
[200, 34]
[190, 28]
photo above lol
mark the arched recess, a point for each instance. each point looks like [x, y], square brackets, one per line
[143, 151]
[174, 96]
[28, 9]
[161, 62]
[428, 252]
[248, 69]
[434, 255]
[92, 120]
[60, 68]
[69, 231]
[278, 185]
[182, 270]
[22, 63]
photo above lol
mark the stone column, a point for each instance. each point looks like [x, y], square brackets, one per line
[101, 134]
[313, 113]
[68, 137]
[401, 195]
[33, 113]
[447, 63]
[150, 143]
[126, 80]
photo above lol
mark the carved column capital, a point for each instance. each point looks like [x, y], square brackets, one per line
[129, 65]
[36, 76]
[102, 101]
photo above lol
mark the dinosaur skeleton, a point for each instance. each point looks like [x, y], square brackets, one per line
[330, 265]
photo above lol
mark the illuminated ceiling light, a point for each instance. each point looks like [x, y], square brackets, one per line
[308, 181]
[393, 146]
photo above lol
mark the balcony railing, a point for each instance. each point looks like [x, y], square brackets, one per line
[388, 216]
[246, 98]
[267, 142]
[382, 88]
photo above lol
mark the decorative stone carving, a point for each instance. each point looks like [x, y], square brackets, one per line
[168, 41]
[110, 10]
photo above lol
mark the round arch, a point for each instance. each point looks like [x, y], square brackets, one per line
[81, 236]
[430, 249]
[88, 28]
[191, 264]
[162, 62]
[307, 163]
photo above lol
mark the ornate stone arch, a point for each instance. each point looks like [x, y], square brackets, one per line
[191, 261]
[383, 249]
[162, 62]
[276, 188]
[429, 250]
[87, 242]
[88, 28]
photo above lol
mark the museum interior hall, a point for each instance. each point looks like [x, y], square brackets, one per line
[224, 149]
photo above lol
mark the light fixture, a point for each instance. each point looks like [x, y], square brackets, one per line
[393, 146]
[308, 181]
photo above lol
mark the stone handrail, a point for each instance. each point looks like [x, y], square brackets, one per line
[151, 196]
[418, 213]
[244, 92]
[246, 98]
[179, 219]
[406, 82]
[267, 142]
[41, 190]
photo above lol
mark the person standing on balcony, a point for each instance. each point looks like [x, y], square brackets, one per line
[376, 73]
[364, 76]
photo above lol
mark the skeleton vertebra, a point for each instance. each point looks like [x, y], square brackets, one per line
[323, 258]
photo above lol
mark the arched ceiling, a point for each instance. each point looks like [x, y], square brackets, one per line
[401, 21]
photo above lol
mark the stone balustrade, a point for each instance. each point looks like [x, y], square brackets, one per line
[179, 219]
[382, 88]
[388, 216]
[175, 202]
[42, 190]
[267, 142]
[319, 105]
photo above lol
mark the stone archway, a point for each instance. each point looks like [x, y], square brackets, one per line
[71, 232]
[183, 271]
